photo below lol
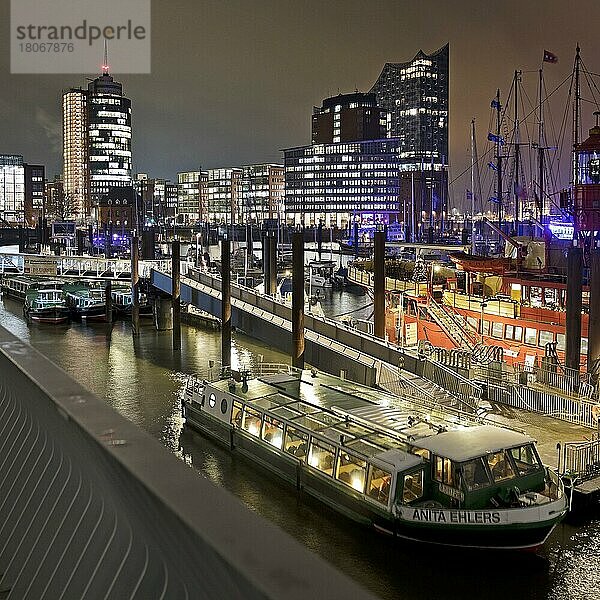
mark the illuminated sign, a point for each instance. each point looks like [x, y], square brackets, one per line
[563, 231]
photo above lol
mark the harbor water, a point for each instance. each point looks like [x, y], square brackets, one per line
[141, 378]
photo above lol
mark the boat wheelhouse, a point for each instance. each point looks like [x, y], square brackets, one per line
[85, 302]
[46, 305]
[123, 303]
[383, 461]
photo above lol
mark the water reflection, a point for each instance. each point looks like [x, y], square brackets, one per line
[141, 377]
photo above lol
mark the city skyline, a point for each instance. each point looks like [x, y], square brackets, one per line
[231, 87]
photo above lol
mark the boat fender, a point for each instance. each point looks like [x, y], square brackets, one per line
[596, 412]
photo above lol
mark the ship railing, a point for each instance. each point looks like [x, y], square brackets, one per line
[581, 459]
[392, 382]
[216, 371]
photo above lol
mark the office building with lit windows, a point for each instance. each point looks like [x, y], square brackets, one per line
[262, 193]
[223, 195]
[347, 118]
[12, 189]
[109, 136]
[157, 199]
[35, 191]
[75, 153]
[343, 182]
[191, 196]
[22, 191]
[96, 143]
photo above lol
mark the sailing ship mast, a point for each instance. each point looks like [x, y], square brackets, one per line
[499, 156]
[517, 190]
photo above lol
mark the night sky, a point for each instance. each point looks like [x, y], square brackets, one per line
[234, 81]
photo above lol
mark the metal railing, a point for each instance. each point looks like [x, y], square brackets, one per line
[76, 266]
[581, 459]
[466, 391]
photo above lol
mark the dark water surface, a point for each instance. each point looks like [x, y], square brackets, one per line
[141, 378]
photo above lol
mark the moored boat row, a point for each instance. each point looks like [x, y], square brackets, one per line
[57, 301]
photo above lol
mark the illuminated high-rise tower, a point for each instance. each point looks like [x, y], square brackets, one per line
[96, 143]
[75, 153]
[109, 136]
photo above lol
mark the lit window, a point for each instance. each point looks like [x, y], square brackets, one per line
[352, 471]
[379, 484]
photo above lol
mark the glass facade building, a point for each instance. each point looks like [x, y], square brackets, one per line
[12, 189]
[262, 192]
[191, 200]
[109, 136]
[96, 143]
[415, 94]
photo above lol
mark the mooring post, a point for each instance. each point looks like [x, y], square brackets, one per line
[273, 263]
[573, 317]
[176, 295]
[135, 283]
[266, 263]
[249, 247]
[108, 301]
[226, 303]
[355, 240]
[379, 285]
[594, 317]
[298, 299]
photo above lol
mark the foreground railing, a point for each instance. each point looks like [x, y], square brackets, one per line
[92, 507]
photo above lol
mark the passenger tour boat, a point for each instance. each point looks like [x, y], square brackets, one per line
[383, 461]
[46, 305]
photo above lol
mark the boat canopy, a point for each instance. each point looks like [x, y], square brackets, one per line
[462, 445]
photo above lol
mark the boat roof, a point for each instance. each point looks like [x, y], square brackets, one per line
[363, 419]
[461, 445]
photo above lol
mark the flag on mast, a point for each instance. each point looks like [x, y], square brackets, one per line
[549, 57]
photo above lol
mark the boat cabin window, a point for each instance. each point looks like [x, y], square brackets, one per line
[546, 337]
[500, 466]
[413, 487]
[497, 329]
[444, 470]
[236, 414]
[296, 442]
[379, 483]
[475, 475]
[321, 456]
[560, 341]
[251, 421]
[273, 431]
[525, 459]
[352, 471]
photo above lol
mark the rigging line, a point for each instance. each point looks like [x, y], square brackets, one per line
[464, 171]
